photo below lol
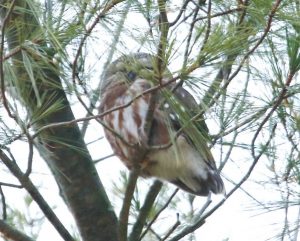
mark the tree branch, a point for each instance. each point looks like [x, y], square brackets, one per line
[112, 49]
[124, 214]
[10, 185]
[144, 211]
[277, 103]
[172, 229]
[160, 69]
[12, 233]
[182, 10]
[5, 21]
[36, 196]
[103, 158]
[191, 228]
[63, 149]
[108, 6]
[224, 71]
[101, 115]
[3, 202]
[189, 37]
[30, 155]
[158, 213]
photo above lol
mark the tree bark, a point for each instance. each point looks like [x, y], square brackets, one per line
[63, 148]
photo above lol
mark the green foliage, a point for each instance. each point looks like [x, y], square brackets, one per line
[224, 52]
[293, 45]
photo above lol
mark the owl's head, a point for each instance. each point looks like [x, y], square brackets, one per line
[128, 67]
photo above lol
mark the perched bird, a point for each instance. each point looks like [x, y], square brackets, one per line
[177, 149]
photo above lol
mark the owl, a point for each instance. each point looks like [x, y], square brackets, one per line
[177, 145]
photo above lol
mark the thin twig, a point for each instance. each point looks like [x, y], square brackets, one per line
[189, 36]
[109, 5]
[290, 136]
[182, 10]
[220, 14]
[265, 207]
[155, 234]
[104, 158]
[112, 49]
[99, 116]
[297, 226]
[188, 230]
[163, 40]
[208, 28]
[160, 65]
[158, 213]
[275, 106]
[94, 141]
[3, 201]
[10, 185]
[191, 228]
[286, 231]
[228, 154]
[124, 214]
[258, 43]
[204, 207]
[30, 155]
[12, 53]
[172, 229]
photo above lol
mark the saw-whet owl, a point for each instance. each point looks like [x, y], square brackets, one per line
[184, 158]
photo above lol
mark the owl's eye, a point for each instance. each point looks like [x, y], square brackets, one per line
[131, 75]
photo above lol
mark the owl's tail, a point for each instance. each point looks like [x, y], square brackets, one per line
[187, 168]
[201, 183]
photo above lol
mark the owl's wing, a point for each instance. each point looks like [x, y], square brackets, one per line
[192, 107]
[181, 110]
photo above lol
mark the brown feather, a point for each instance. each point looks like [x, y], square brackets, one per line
[187, 162]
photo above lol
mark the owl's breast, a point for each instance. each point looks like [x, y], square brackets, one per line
[126, 123]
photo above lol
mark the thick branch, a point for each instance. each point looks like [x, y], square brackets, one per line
[144, 212]
[62, 148]
[124, 214]
[12, 233]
